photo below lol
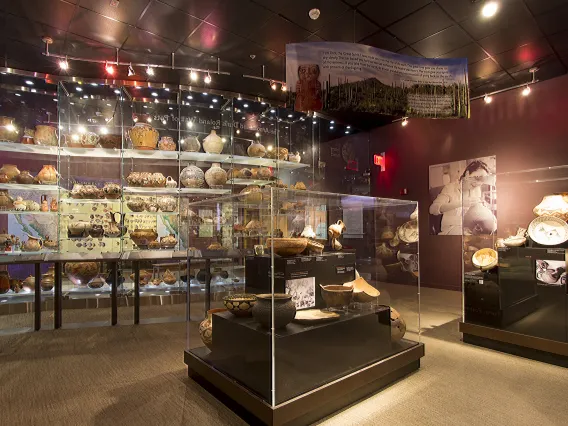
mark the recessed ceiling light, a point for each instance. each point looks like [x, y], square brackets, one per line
[154, 94]
[290, 115]
[190, 97]
[171, 108]
[215, 101]
[29, 82]
[197, 111]
[490, 9]
[117, 92]
[272, 111]
[204, 94]
[331, 127]
[245, 105]
[79, 89]
[33, 90]
[239, 99]
[210, 106]
[17, 94]
[94, 84]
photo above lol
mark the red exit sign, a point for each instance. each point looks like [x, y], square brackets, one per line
[379, 160]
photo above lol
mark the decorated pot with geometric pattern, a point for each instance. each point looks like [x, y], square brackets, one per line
[240, 305]
[206, 327]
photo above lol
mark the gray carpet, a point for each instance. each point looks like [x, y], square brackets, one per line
[134, 375]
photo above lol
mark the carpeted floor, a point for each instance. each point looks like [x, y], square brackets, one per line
[135, 375]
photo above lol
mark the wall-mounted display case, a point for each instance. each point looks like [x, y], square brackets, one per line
[297, 302]
[514, 286]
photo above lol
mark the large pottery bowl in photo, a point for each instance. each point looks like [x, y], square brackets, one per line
[284, 310]
[81, 273]
[287, 246]
[143, 136]
[336, 296]
[240, 305]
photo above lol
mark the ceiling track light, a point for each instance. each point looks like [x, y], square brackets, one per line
[150, 70]
[63, 64]
[404, 122]
[193, 76]
[109, 68]
[131, 71]
[489, 9]
[526, 91]
[207, 79]
[273, 85]
[488, 99]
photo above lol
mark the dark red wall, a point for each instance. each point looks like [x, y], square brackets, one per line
[523, 132]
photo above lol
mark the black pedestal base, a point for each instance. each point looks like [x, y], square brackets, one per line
[312, 405]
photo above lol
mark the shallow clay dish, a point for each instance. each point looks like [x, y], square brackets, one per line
[485, 259]
[314, 316]
[548, 231]
[363, 292]
[287, 246]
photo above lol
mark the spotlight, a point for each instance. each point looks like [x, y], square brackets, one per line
[154, 94]
[207, 79]
[149, 119]
[189, 124]
[404, 122]
[215, 101]
[245, 105]
[11, 128]
[104, 130]
[284, 88]
[109, 69]
[488, 99]
[150, 70]
[269, 148]
[131, 71]
[29, 82]
[116, 91]
[193, 76]
[526, 91]
[82, 129]
[238, 132]
[290, 115]
[64, 65]
[272, 111]
[490, 9]
[273, 85]
[257, 134]
[190, 97]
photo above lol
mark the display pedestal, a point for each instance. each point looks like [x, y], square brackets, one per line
[313, 405]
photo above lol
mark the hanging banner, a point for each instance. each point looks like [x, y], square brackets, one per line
[331, 76]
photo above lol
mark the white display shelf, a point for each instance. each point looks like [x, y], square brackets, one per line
[28, 149]
[200, 191]
[205, 157]
[91, 152]
[150, 154]
[245, 182]
[152, 213]
[267, 162]
[30, 187]
[89, 201]
[142, 190]
[15, 212]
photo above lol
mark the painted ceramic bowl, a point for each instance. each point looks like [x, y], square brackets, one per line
[336, 296]
[287, 246]
[240, 305]
[485, 259]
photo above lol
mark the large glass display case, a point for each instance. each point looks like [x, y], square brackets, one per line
[289, 297]
[514, 286]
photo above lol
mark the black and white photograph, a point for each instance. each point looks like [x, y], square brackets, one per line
[463, 192]
[551, 272]
[303, 291]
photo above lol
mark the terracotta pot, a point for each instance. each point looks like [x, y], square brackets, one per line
[157, 180]
[47, 175]
[143, 237]
[190, 144]
[4, 178]
[213, 144]
[171, 183]
[49, 243]
[251, 194]
[6, 202]
[8, 130]
[169, 278]
[398, 326]
[294, 158]
[45, 135]
[277, 154]
[84, 140]
[206, 327]
[81, 273]
[115, 229]
[96, 231]
[110, 141]
[215, 176]
[28, 137]
[97, 282]
[25, 178]
[287, 246]
[4, 282]
[79, 228]
[167, 203]
[256, 149]
[335, 230]
[32, 244]
[20, 204]
[44, 207]
[10, 170]
[240, 305]
[192, 177]
[284, 310]
[552, 205]
[136, 204]
[29, 283]
[53, 205]
[336, 296]
[168, 242]
[143, 136]
[112, 190]
[47, 282]
[167, 143]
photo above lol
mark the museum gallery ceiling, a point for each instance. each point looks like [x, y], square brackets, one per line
[246, 34]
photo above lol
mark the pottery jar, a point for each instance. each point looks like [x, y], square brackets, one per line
[552, 205]
[32, 206]
[277, 154]
[206, 327]
[44, 206]
[213, 144]
[110, 141]
[190, 144]
[6, 202]
[97, 282]
[47, 282]
[49, 243]
[398, 326]
[80, 273]
[245, 173]
[113, 230]
[192, 177]
[112, 190]
[215, 176]
[29, 283]
[134, 179]
[152, 207]
[264, 173]
[308, 232]
[19, 204]
[32, 244]
[335, 230]
[8, 131]
[28, 137]
[53, 205]
[284, 310]
[143, 136]
[47, 175]
[4, 178]
[294, 158]
[4, 282]
[25, 178]
[10, 170]
[136, 204]
[256, 149]
[96, 231]
[45, 135]
[78, 228]
[251, 194]
[157, 180]
[168, 242]
[166, 143]
[169, 278]
[167, 203]
[171, 183]
[143, 237]
[88, 140]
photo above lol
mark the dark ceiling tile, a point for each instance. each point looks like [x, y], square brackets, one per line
[242, 56]
[31, 32]
[421, 24]
[168, 22]
[22, 56]
[239, 16]
[342, 28]
[512, 37]
[297, 11]
[559, 41]
[550, 69]
[491, 78]
[55, 13]
[510, 13]
[127, 11]
[96, 27]
[530, 64]
[82, 47]
[314, 38]
[530, 52]
[213, 40]
[383, 40]
[554, 21]
[277, 32]
[409, 51]
[276, 69]
[385, 12]
[443, 42]
[483, 68]
[463, 9]
[502, 82]
[143, 41]
[472, 52]
[197, 8]
[147, 58]
[542, 6]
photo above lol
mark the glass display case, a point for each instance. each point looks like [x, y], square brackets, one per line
[290, 297]
[514, 285]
